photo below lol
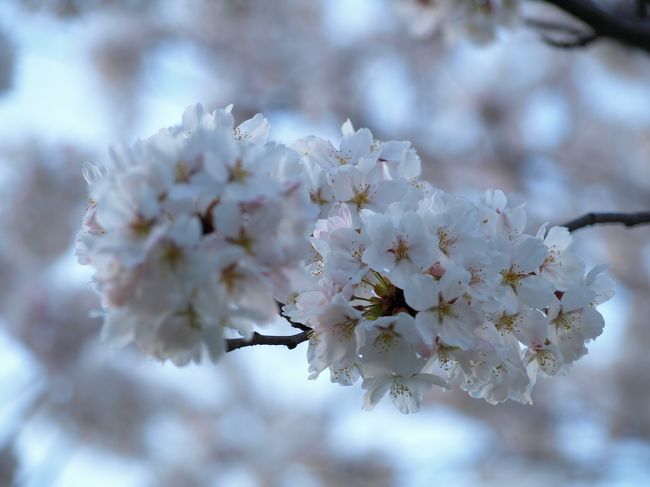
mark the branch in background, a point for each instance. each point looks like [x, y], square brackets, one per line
[561, 35]
[627, 219]
[577, 42]
[631, 31]
[290, 341]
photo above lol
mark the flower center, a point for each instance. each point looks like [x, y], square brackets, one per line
[510, 277]
[172, 255]
[243, 240]
[346, 329]
[237, 173]
[229, 277]
[191, 317]
[387, 301]
[316, 198]
[141, 227]
[400, 249]
[181, 173]
[361, 197]
[506, 324]
[444, 241]
[386, 338]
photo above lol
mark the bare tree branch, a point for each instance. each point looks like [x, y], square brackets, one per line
[632, 31]
[627, 219]
[290, 341]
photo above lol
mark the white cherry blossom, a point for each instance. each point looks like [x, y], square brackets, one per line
[406, 393]
[561, 265]
[443, 308]
[399, 244]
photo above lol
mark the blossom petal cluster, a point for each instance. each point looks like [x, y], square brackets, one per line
[414, 287]
[194, 233]
[198, 232]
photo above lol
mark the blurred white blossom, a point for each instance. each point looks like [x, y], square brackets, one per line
[478, 20]
[196, 229]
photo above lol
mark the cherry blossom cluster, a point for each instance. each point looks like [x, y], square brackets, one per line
[412, 286]
[195, 232]
[478, 20]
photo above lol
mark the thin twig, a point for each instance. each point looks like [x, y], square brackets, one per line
[627, 219]
[289, 341]
[294, 324]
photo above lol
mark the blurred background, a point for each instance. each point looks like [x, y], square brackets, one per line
[565, 131]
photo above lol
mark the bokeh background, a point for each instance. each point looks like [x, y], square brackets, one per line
[565, 131]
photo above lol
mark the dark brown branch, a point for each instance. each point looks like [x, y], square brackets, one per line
[627, 219]
[632, 31]
[290, 341]
[294, 324]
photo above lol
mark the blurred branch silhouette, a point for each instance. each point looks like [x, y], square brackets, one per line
[561, 35]
[631, 30]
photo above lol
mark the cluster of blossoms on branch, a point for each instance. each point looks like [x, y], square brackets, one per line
[195, 233]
